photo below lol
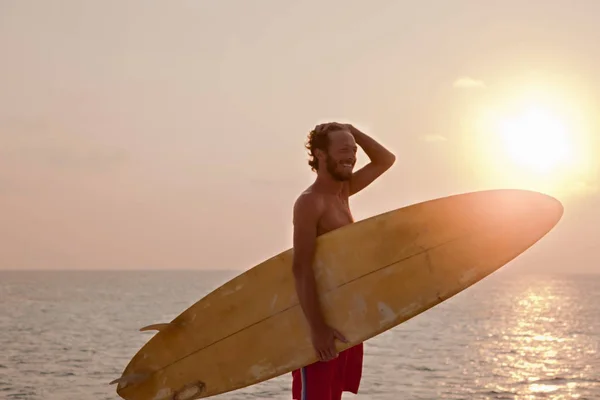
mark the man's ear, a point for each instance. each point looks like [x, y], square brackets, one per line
[319, 154]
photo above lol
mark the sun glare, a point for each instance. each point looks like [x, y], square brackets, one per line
[539, 141]
[536, 140]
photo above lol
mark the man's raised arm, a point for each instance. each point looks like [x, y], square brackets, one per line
[381, 159]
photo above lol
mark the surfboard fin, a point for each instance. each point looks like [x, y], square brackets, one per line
[155, 327]
[129, 379]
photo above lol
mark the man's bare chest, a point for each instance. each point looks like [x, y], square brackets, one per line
[335, 215]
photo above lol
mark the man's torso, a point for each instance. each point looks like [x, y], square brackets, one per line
[335, 211]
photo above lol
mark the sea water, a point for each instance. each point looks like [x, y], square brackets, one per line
[66, 335]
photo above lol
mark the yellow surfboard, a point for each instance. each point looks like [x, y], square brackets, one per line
[371, 276]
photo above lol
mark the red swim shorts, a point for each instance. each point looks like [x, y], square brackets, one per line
[326, 380]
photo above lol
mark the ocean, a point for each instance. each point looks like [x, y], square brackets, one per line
[66, 335]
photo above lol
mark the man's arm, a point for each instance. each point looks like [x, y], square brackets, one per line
[381, 160]
[306, 218]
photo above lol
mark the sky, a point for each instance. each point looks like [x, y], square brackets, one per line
[145, 135]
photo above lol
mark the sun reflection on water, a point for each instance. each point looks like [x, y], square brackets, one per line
[537, 388]
[533, 347]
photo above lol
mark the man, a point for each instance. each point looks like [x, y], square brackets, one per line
[321, 208]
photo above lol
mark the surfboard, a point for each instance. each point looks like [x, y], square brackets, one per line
[371, 276]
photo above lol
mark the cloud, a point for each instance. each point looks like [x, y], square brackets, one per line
[434, 138]
[466, 82]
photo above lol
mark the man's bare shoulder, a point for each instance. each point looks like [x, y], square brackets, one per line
[308, 203]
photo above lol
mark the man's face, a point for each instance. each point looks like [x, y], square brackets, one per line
[341, 156]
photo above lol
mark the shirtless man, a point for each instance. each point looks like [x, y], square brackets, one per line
[321, 208]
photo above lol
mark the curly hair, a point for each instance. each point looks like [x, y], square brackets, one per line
[318, 139]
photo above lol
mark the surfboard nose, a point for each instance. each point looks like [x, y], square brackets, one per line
[514, 211]
[552, 206]
[528, 203]
[523, 213]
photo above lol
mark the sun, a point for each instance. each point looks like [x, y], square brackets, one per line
[536, 140]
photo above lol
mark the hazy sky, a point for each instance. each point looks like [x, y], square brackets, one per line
[170, 134]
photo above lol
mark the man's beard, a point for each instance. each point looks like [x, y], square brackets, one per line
[332, 169]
